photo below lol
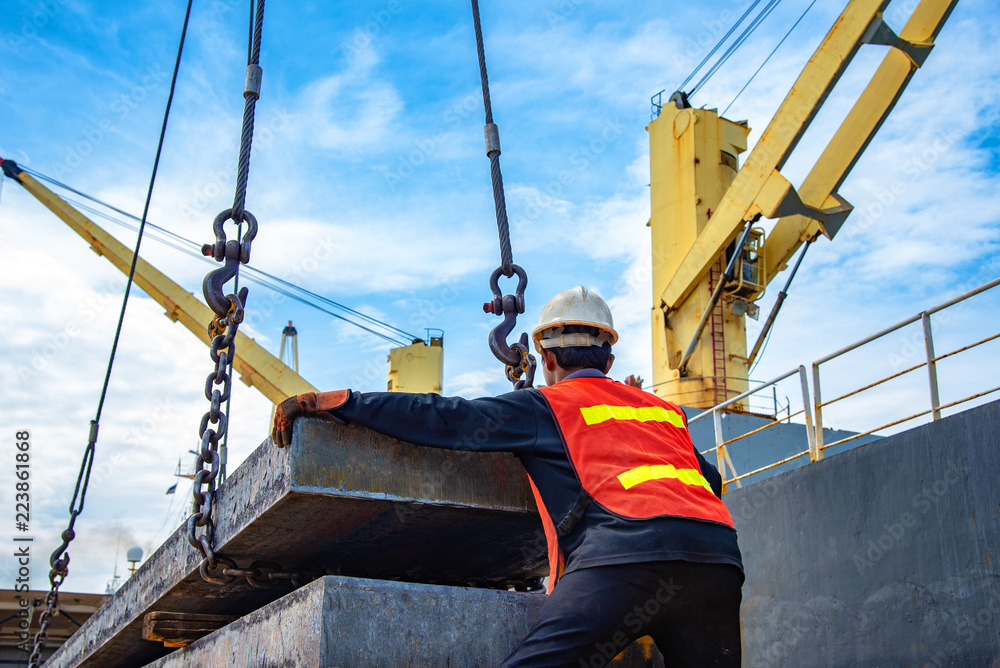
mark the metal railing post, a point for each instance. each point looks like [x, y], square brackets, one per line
[818, 405]
[719, 455]
[931, 366]
[815, 453]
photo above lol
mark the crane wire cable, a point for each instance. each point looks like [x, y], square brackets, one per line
[59, 560]
[794, 25]
[260, 277]
[718, 45]
[736, 44]
[145, 212]
[740, 40]
[263, 279]
[781, 297]
[197, 246]
[492, 134]
[760, 355]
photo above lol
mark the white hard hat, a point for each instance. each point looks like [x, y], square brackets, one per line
[576, 306]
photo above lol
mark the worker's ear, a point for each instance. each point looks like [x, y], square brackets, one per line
[611, 360]
[549, 359]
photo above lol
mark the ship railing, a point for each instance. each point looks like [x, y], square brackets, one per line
[724, 461]
[763, 405]
[929, 362]
[813, 405]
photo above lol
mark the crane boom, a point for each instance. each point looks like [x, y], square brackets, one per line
[257, 367]
[760, 189]
[913, 45]
[701, 201]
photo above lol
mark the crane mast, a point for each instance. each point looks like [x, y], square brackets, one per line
[701, 202]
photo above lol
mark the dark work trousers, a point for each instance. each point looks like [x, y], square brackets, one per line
[691, 610]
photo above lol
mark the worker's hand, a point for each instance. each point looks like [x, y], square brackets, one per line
[310, 403]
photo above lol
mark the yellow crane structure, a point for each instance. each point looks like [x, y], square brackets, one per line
[257, 367]
[701, 201]
[417, 367]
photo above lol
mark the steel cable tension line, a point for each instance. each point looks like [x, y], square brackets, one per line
[718, 45]
[766, 60]
[59, 560]
[749, 30]
[395, 336]
[679, 94]
[517, 357]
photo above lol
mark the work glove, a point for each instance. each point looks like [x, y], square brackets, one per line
[317, 404]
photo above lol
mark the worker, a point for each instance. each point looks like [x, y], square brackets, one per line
[640, 542]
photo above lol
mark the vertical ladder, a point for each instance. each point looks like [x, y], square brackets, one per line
[718, 338]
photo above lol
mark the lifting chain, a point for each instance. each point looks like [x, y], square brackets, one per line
[228, 308]
[222, 350]
[519, 360]
[56, 576]
[260, 574]
[59, 561]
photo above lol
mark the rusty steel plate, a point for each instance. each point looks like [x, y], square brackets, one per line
[340, 621]
[347, 500]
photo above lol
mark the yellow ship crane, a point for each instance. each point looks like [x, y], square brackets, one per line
[702, 203]
[416, 367]
[257, 367]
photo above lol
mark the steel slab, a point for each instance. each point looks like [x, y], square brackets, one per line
[343, 498]
[339, 621]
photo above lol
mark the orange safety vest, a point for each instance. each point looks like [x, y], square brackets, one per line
[633, 456]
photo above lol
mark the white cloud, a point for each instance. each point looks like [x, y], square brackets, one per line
[475, 383]
[349, 111]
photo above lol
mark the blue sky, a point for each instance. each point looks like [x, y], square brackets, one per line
[371, 186]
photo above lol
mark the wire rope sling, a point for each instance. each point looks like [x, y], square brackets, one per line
[210, 465]
[517, 357]
[59, 559]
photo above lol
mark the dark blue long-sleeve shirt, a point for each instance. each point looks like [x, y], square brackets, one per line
[520, 423]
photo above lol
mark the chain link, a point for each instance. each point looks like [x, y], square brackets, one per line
[213, 426]
[222, 349]
[222, 331]
[52, 602]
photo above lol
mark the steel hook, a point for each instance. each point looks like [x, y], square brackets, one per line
[517, 357]
[498, 337]
[211, 287]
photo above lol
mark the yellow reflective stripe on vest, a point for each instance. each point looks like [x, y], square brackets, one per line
[598, 414]
[641, 474]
